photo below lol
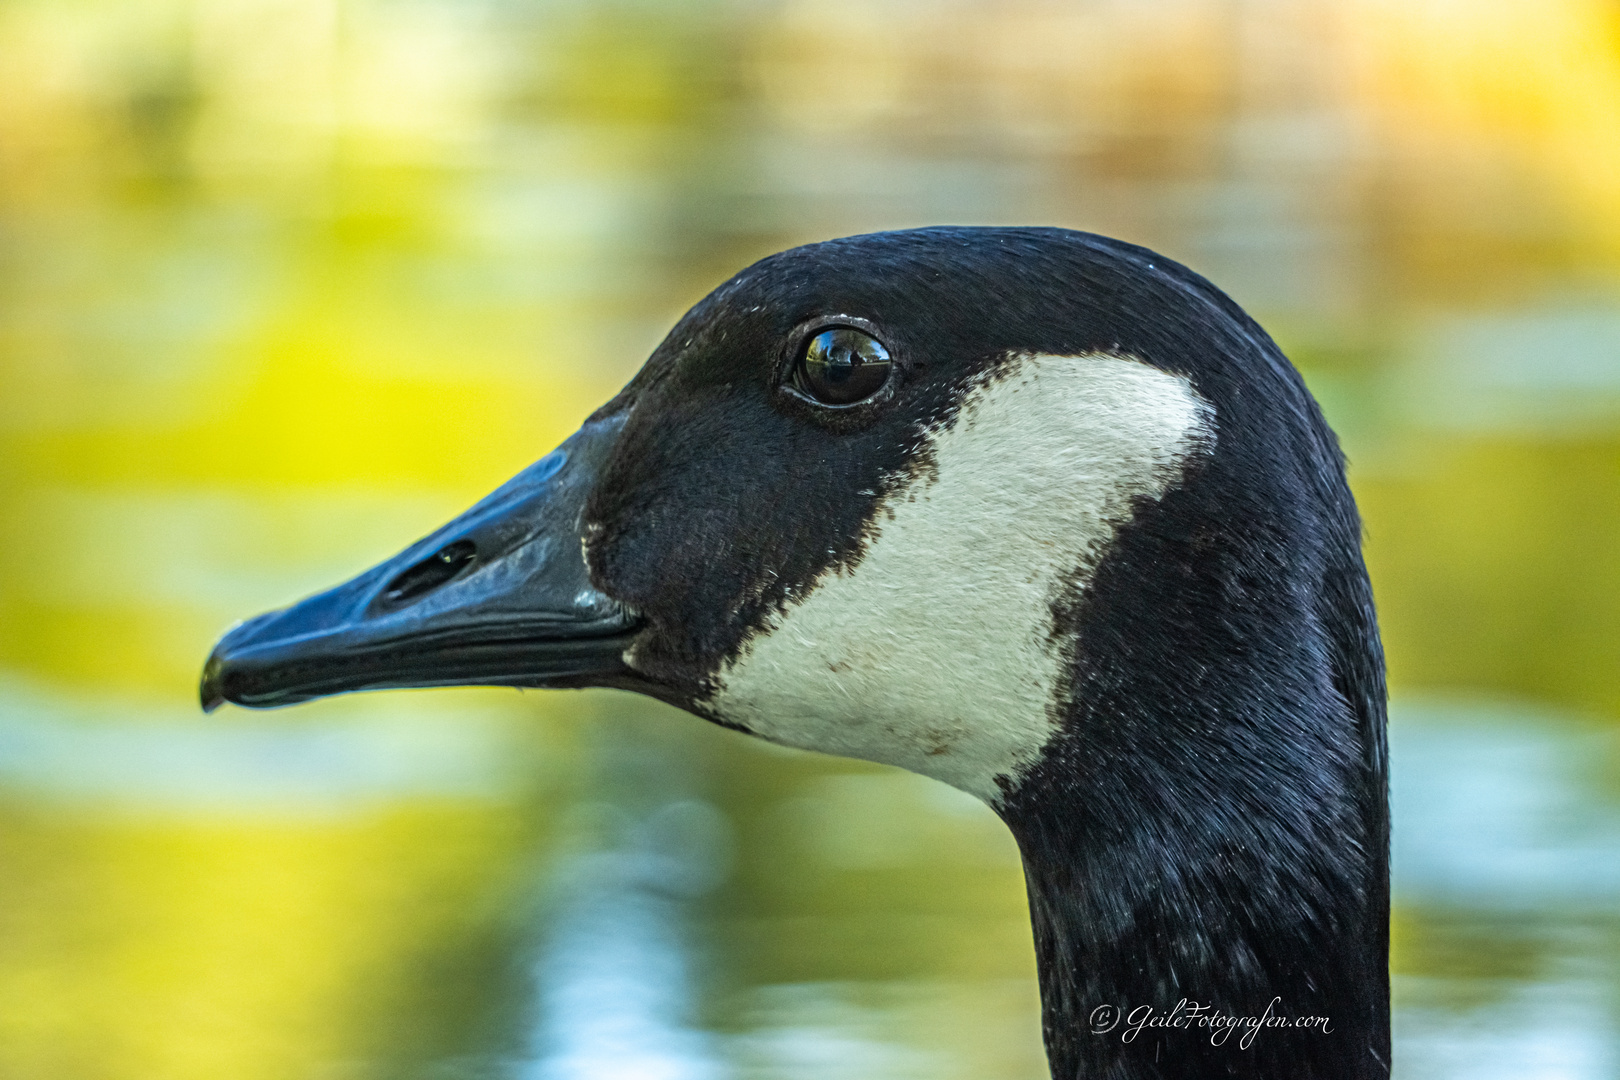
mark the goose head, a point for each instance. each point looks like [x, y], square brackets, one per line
[1038, 514]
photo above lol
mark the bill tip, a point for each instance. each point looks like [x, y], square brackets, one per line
[209, 691]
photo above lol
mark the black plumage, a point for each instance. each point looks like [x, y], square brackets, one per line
[1210, 822]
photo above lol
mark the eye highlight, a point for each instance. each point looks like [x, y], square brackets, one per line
[842, 366]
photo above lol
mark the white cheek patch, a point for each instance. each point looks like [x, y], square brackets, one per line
[936, 652]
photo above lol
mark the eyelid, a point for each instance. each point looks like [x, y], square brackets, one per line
[792, 396]
[817, 375]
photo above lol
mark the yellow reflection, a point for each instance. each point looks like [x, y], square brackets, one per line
[178, 948]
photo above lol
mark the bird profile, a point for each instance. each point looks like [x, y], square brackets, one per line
[1039, 514]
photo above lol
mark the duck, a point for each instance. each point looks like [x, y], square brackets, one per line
[1037, 513]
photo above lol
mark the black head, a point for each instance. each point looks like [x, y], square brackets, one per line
[764, 448]
[1038, 513]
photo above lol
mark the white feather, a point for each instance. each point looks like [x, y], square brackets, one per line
[936, 652]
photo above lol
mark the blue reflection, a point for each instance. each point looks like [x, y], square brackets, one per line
[616, 994]
[1507, 844]
[103, 753]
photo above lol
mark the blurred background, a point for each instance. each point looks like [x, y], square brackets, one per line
[286, 283]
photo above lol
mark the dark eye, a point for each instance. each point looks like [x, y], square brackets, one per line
[841, 366]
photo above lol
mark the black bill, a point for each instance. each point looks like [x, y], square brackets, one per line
[498, 597]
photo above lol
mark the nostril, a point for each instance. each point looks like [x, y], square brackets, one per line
[431, 572]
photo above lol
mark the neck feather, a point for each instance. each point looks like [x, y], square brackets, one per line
[1187, 914]
[1209, 831]
[1227, 855]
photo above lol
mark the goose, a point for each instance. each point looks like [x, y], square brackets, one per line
[1039, 514]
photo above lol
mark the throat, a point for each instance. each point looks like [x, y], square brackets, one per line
[1184, 940]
